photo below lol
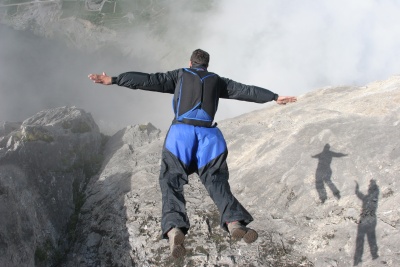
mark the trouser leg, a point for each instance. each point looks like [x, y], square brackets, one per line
[214, 176]
[172, 179]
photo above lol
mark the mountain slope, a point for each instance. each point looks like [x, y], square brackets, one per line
[319, 176]
[294, 167]
[298, 166]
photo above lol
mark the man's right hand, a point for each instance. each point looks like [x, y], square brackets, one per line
[100, 78]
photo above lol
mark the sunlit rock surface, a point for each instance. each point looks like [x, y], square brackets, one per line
[319, 176]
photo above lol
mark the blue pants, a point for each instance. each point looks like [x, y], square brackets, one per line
[190, 149]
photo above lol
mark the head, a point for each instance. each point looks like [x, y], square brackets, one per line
[372, 186]
[199, 57]
[327, 147]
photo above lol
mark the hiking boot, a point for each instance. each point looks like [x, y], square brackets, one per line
[176, 238]
[239, 231]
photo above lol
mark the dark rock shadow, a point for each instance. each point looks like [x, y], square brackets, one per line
[102, 237]
[323, 173]
[367, 222]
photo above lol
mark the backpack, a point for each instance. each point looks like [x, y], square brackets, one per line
[196, 97]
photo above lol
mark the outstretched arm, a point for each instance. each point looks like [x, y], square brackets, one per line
[316, 156]
[156, 82]
[251, 93]
[101, 78]
[338, 155]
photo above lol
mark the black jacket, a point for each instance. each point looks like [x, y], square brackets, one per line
[166, 83]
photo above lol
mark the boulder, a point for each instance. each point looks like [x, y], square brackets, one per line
[45, 164]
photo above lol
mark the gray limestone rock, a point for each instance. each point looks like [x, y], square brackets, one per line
[295, 167]
[120, 220]
[44, 166]
[319, 177]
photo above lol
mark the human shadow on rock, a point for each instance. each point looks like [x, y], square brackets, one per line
[323, 174]
[367, 222]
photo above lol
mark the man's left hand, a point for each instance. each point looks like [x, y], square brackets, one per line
[283, 100]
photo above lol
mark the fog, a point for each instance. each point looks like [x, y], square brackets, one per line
[290, 47]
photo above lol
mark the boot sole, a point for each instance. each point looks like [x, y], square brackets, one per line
[238, 233]
[178, 251]
[178, 238]
[250, 236]
[177, 248]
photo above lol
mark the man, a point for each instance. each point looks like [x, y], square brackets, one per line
[195, 144]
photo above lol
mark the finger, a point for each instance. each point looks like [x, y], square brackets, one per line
[291, 99]
[93, 76]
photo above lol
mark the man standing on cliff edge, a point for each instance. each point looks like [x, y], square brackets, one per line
[195, 144]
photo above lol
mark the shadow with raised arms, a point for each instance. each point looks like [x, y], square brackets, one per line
[367, 222]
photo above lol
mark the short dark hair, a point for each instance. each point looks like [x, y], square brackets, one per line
[200, 57]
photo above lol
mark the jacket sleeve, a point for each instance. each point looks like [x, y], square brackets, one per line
[156, 82]
[234, 90]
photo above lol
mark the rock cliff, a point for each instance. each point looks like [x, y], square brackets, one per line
[45, 163]
[319, 176]
[323, 172]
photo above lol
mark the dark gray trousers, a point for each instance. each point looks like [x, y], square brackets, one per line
[214, 176]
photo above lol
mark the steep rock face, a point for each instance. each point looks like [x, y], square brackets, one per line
[120, 200]
[44, 164]
[297, 168]
[319, 177]
[120, 220]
